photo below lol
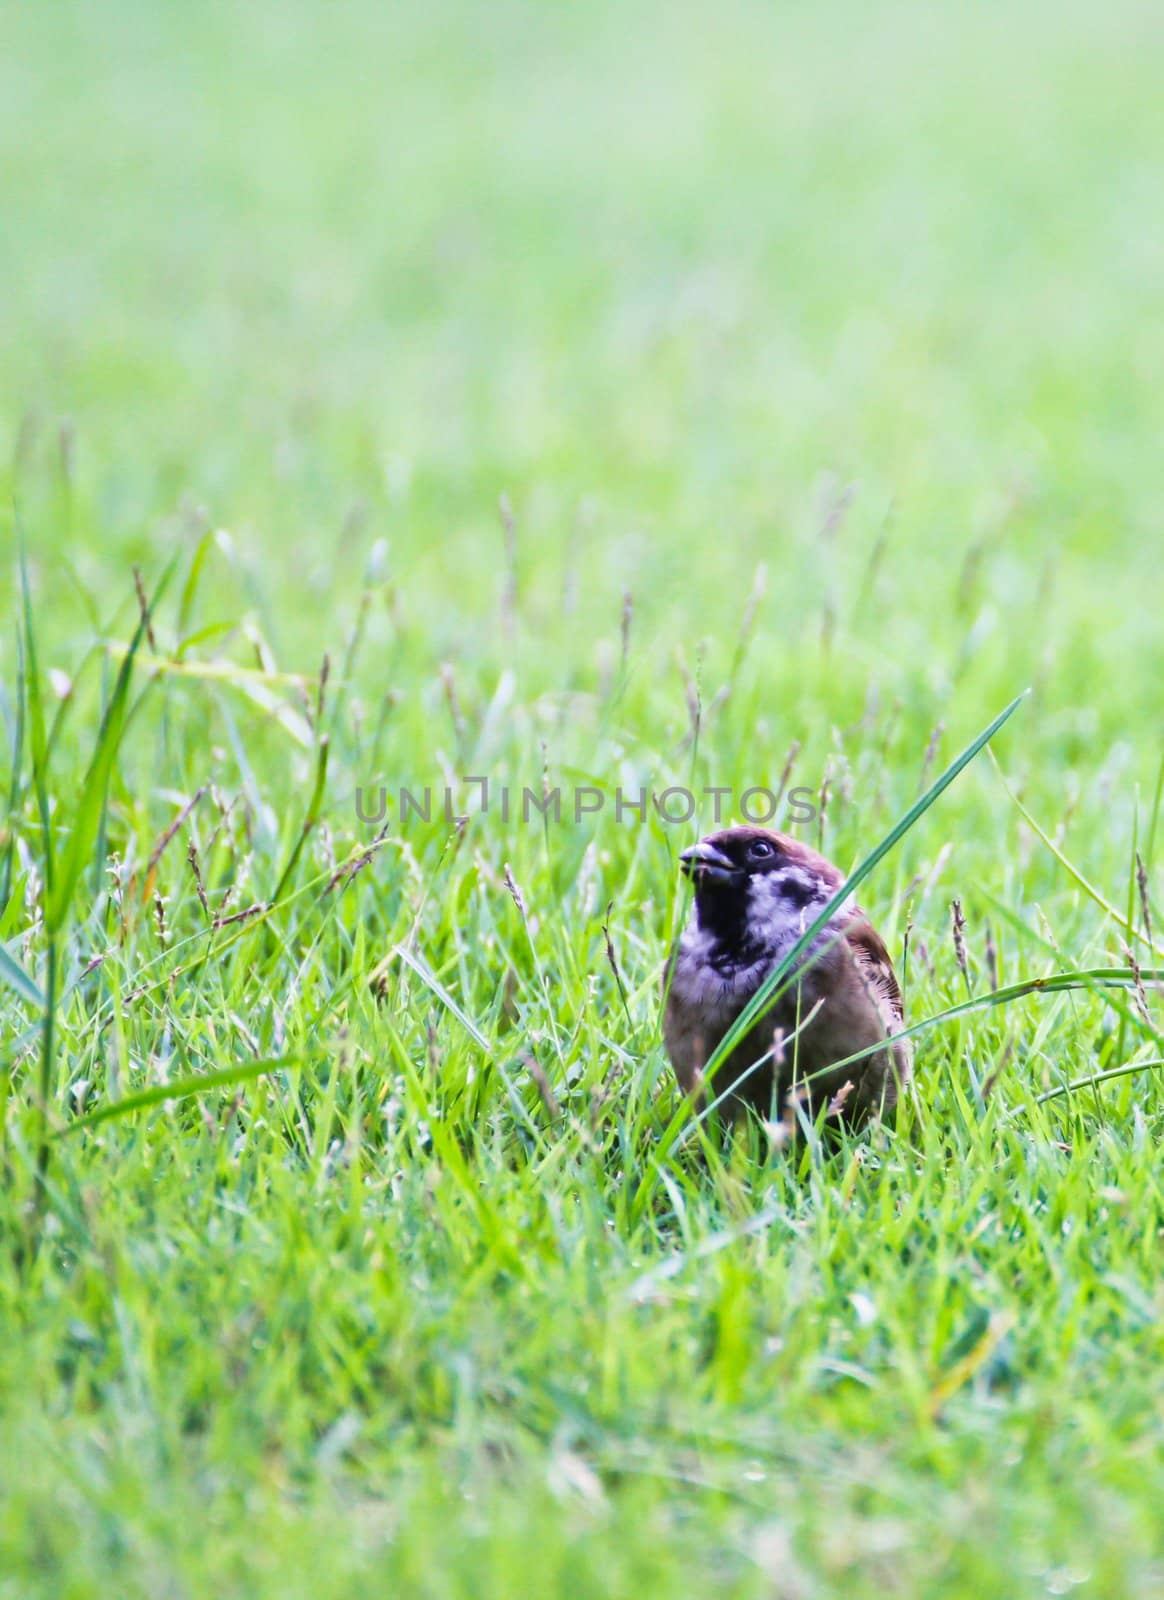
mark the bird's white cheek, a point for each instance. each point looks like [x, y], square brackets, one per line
[775, 921]
[772, 918]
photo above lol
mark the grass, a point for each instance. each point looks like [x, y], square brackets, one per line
[350, 1232]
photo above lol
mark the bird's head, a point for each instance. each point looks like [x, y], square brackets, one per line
[753, 884]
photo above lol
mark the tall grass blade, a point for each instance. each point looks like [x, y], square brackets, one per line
[90, 811]
[189, 589]
[88, 824]
[17, 764]
[314, 809]
[15, 976]
[181, 1089]
[1077, 1084]
[37, 744]
[1124, 924]
[433, 983]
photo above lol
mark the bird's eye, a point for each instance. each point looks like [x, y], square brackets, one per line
[759, 849]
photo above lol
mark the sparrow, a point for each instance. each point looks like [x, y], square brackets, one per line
[756, 893]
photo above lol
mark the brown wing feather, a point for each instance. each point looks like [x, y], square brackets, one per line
[873, 961]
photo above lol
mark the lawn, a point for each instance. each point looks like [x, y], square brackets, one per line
[592, 400]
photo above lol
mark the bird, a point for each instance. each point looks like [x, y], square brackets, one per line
[756, 893]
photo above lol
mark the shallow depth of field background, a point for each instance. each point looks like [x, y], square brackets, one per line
[817, 353]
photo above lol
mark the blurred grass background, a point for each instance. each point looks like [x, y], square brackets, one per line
[817, 351]
[658, 272]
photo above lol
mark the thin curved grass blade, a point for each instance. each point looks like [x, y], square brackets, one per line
[181, 1089]
[13, 974]
[37, 743]
[1125, 924]
[91, 807]
[1078, 1084]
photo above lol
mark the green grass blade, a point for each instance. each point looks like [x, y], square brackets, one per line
[17, 764]
[15, 976]
[37, 742]
[87, 822]
[190, 587]
[434, 985]
[1124, 924]
[314, 810]
[182, 1089]
[1098, 1077]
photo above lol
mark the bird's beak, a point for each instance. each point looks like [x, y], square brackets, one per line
[706, 864]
